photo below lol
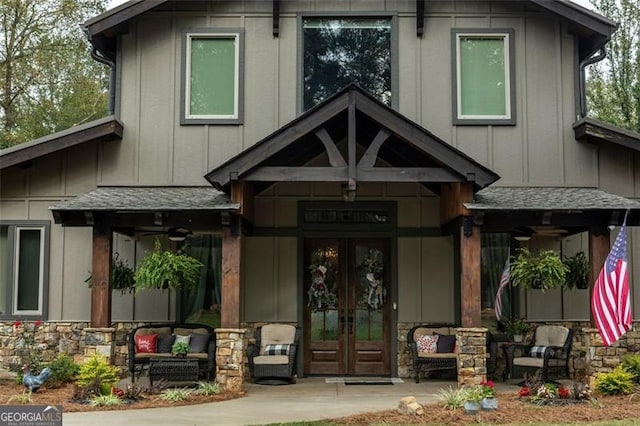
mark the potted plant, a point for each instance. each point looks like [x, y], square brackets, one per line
[544, 271]
[516, 328]
[122, 276]
[577, 271]
[180, 349]
[488, 401]
[473, 395]
[163, 269]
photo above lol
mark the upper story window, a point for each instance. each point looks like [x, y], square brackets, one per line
[341, 51]
[212, 75]
[23, 269]
[483, 79]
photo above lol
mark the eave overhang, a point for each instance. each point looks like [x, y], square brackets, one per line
[604, 134]
[105, 129]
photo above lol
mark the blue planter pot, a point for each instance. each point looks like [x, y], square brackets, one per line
[471, 407]
[489, 404]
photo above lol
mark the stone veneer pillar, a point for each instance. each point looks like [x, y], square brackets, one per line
[602, 359]
[472, 355]
[96, 341]
[230, 354]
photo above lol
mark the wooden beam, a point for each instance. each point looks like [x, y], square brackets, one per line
[298, 174]
[599, 245]
[351, 139]
[470, 278]
[340, 174]
[276, 18]
[419, 18]
[452, 198]
[242, 193]
[370, 156]
[231, 279]
[407, 174]
[335, 158]
[101, 277]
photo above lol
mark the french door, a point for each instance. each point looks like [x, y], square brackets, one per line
[346, 306]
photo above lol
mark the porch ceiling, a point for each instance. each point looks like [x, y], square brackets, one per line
[572, 209]
[347, 138]
[146, 207]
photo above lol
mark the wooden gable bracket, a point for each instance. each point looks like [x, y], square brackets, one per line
[419, 18]
[276, 18]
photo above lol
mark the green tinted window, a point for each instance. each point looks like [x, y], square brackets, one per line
[338, 52]
[213, 76]
[483, 79]
[29, 270]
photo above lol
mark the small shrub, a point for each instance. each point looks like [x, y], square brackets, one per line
[176, 394]
[133, 393]
[98, 368]
[104, 401]
[208, 388]
[86, 392]
[158, 387]
[631, 363]
[451, 398]
[63, 370]
[21, 399]
[619, 381]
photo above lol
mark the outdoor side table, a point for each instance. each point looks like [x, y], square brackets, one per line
[173, 370]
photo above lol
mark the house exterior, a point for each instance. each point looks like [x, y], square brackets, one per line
[352, 167]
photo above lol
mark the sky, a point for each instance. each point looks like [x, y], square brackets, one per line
[583, 3]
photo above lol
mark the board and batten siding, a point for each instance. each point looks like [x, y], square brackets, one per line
[540, 149]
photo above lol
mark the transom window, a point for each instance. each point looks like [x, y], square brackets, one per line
[483, 64]
[212, 77]
[23, 272]
[341, 51]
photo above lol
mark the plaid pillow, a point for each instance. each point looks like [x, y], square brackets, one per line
[538, 351]
[276, 350]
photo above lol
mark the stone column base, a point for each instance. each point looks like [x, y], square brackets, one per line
[230, 353]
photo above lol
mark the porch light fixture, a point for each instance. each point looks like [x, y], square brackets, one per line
[348, 195]
[522, 234]
[178, 234]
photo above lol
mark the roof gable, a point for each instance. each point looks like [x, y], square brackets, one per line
[347, 138]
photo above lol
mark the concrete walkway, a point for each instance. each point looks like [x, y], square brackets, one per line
[308, 399]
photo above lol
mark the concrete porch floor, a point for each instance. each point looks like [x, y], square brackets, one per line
[308, 399]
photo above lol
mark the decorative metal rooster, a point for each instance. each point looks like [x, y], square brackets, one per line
[32, 382]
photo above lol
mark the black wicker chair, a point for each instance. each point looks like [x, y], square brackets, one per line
[548, 351]
[272, 359]
[431, 362]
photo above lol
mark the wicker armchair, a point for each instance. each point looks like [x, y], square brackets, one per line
[548, 351]
[436, 361]
[272, 358]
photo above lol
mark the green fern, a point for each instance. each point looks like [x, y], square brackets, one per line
[166, 270]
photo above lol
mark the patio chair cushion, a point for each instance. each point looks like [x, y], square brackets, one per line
[271, 360]
[276, 334]
[190, 331]
[551, 335]
[142, 331]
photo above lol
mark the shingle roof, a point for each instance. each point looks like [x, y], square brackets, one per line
[149, 198]
[548, 198]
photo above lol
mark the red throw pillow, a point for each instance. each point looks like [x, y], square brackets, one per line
[147, 343]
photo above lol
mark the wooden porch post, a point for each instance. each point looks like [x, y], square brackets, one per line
[599, 245]
[470, 275]
[231, 267]
[101, 277]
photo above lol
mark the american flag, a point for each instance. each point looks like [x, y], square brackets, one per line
[504, 282]
[610, 301]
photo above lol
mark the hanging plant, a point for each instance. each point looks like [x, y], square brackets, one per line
[577, 271]
[544, 271]
[163, 269]
[122, 276]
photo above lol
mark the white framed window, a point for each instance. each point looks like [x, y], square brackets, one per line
[212, 77]
[24, 269]
[483, 76]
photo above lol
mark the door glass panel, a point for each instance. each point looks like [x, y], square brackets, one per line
[370, 293]
[322, 293]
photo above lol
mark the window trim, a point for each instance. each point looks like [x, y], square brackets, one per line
[13, 246]
[395, 51]
[508, 34]
[187, 35]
